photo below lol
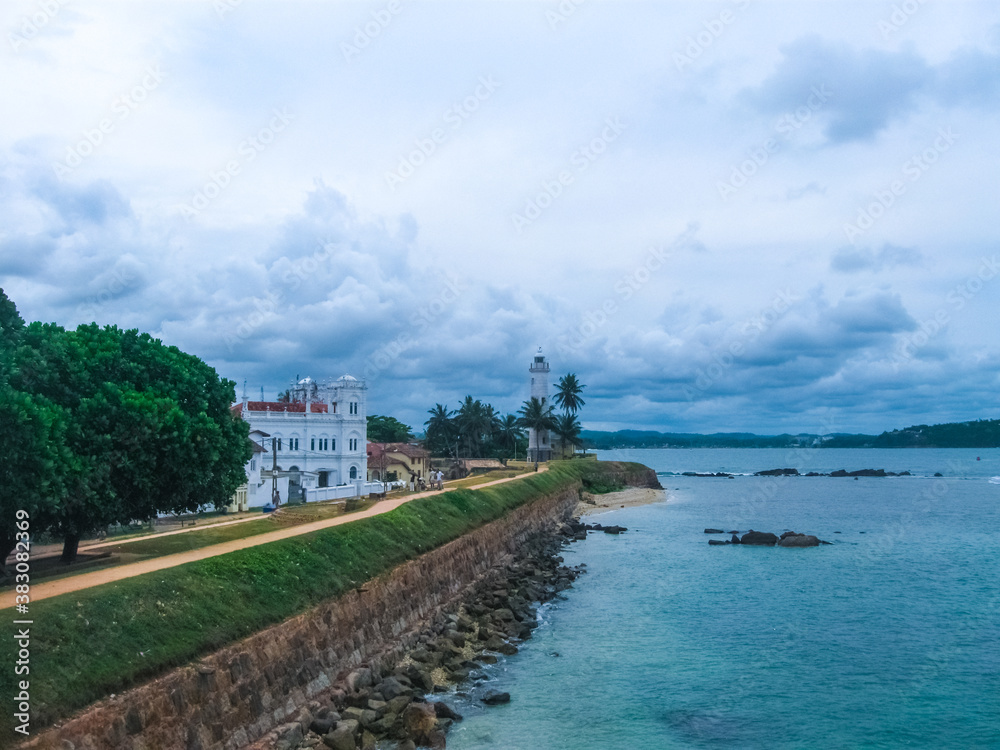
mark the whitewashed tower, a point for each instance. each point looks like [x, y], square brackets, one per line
[539, 443]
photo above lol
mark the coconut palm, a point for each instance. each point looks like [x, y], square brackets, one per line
[536, 414]
[509, 432]
[441, 430]
[568, 394]
[568, 429]
[475, 421]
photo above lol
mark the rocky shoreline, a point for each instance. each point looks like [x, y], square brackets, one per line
[406, 706]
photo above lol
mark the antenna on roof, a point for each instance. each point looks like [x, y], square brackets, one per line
[244, 389]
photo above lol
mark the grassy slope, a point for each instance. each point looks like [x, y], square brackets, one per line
[144, 549]
[104, 640]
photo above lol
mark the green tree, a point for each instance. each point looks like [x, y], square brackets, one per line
[510, 434]
[568, 429]
[568, 394]
[568, 397]
[474, 420]
[388, 430]
[441, 432]
[149, 426]
[37, 467]
[537, 414]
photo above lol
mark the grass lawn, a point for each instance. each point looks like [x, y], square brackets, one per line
[88, 644]
[140, 548]
[489, 476]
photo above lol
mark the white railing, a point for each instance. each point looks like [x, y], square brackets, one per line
[340, 492]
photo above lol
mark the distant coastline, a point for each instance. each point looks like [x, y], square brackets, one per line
[983, 433]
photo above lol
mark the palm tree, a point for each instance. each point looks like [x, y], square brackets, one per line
[568, 394]
[568, 397]
[568, 429]
[509, 432]
[474, 419]
[441, 430]
[537, 415]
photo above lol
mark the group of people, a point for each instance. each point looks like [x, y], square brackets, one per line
[434, 482]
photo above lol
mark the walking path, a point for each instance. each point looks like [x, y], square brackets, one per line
[98, 577]
[50, 550]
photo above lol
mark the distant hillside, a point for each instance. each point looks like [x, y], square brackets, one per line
[983, 433]
[649, 439]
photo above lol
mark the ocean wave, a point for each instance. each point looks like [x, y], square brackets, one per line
[994, 480]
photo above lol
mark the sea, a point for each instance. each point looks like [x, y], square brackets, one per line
[887, 638]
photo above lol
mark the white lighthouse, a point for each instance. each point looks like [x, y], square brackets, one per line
[539, 442]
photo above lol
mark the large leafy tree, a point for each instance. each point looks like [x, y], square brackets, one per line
[148, 427]
[388, 430]
[36, 467]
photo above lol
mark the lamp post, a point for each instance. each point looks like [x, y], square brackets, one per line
[275, 495]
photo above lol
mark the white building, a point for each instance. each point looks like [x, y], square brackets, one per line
[254, 493]
[317, 439]
[539, 441]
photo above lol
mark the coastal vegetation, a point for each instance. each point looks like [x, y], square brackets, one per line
[108, 638]
[474, 430]
[103, 426]
[477, 430]
[388, 430]
[982, 433]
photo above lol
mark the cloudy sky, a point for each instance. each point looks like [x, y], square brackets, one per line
[733, 215]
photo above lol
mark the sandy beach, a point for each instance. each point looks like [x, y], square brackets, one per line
[625, 499]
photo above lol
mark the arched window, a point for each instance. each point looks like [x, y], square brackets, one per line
[354, 472]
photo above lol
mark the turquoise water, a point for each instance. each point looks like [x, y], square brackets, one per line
[887, 639]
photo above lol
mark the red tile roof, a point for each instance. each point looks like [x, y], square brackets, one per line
[283, 406]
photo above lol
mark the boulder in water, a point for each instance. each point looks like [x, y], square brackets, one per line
[714, 531]
[798, 540]
[761, 538]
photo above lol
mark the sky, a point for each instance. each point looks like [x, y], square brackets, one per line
[733, 215]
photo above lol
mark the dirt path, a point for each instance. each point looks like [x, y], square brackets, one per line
[50, 550]
[98, 577]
